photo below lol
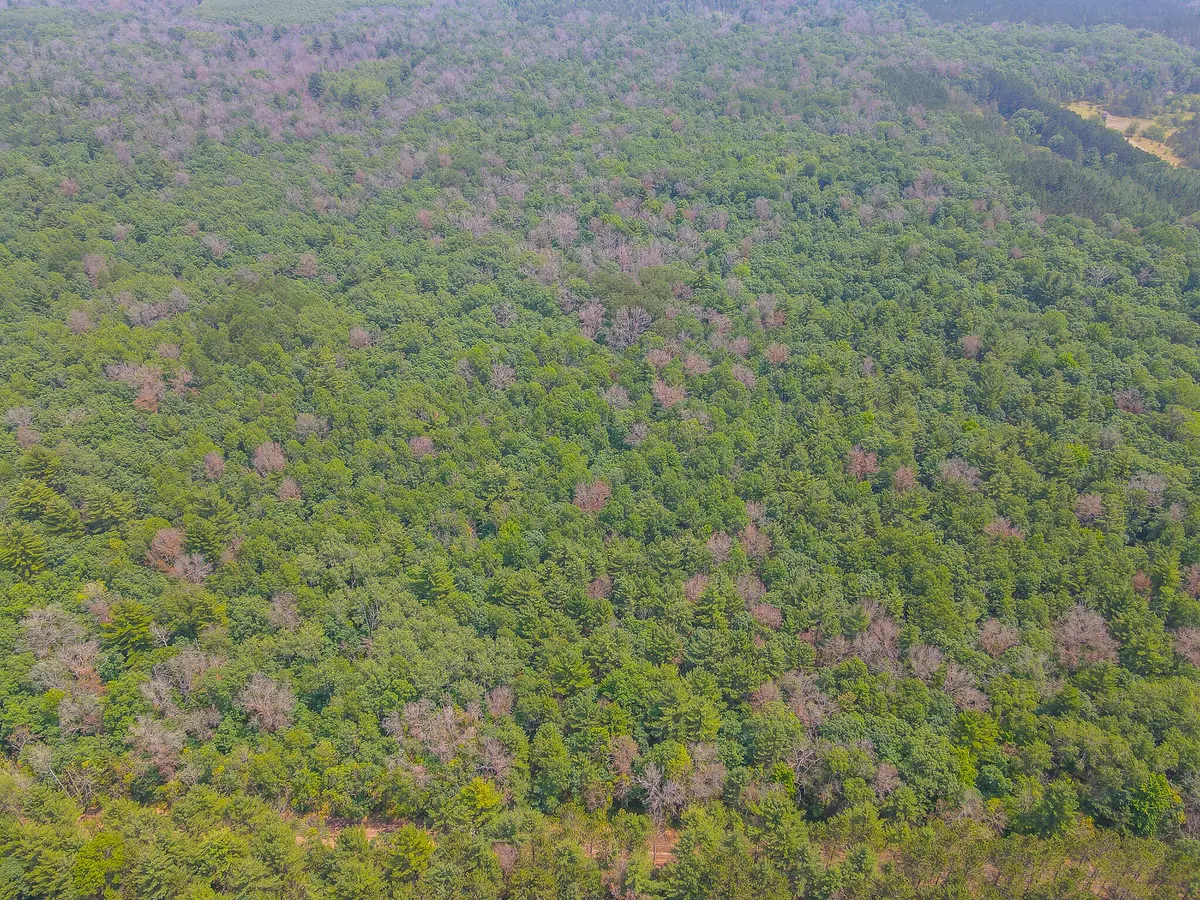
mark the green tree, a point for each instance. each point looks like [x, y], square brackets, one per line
[128, 627]
[550, 766]
[99, 863]
[1050, 810]
[407, 854]
[22, 550]
[1155, 806]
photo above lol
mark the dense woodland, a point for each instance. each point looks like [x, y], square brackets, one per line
[652, 451]
[1178, 18]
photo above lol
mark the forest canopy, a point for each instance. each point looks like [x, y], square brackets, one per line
[643, 450]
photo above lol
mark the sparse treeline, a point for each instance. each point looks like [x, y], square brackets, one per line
[464, 451]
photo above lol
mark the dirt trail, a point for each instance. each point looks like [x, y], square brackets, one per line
[662, 847]
[331, 828]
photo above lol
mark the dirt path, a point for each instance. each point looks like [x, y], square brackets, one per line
[331, 828]
[662, 847]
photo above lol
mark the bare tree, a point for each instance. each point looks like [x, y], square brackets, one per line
[1081, 637]
[80, 659]
[766, 614]
[1089, 509]
[48, 628]
[629, 324]
[995, 637]
[214, 466]
[269, 704]
[668, 395]
[1000, 529]
[79, 321]
[719, 545]
[421, 446]
[886, 780]
[289, 489]
[157, 745]
[1187, 645]
[591, 498]
[661, 796]
[959, 472]
[307, 424]
[904, 479]
[750, 587]
[445, 731]
[925, 661]
[283, 613]
[159, 692]
[166, 549]
[147, 380]
[503, 376]
[638, 432]
[591, 320]
[306, 266]
[694, 587]
[744, 376]
[805, 699]
[1150, 486]
[755, 542]
[1191, 580]
[495, 758]
[777, 354]
[201, 723]
[959, 683]
[19, 417]
[80, 714]
[40, 760]
[186, 668]
[878, 645]
[861, 464]
[215, 245]
[706, 780]
[1130, 400]
[94, 266]
[659, 358]
[500, 701]
[268, 458]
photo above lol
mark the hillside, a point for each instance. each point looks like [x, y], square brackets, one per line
[593, 450]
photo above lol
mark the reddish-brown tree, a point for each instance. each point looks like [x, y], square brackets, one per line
[995, 637]
[1089, 509]
[861, 464]
[1081, 637]
[214, 466]
[269, 458]
[420, 446]
[591, 498]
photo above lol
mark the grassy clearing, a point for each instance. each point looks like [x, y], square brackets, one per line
[1122, 123]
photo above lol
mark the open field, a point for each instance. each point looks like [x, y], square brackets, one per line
[1121, 123]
